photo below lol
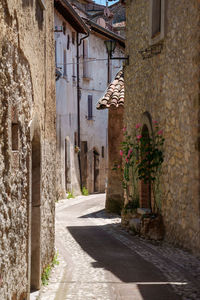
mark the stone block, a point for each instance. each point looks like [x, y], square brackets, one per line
[143, 211]
[135, 224]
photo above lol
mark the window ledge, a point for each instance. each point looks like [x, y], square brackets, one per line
[87, 78]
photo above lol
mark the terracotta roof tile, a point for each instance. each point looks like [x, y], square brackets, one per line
[114, 95]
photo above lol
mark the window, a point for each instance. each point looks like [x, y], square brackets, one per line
[85, 60]
[157, 21]
[75, 138]
[68, 41]
[15, 139]
[73, 70]
[156, 18]
[89, 107]
[64, 62]
[102, 151]
[64, 28]
[73, 37]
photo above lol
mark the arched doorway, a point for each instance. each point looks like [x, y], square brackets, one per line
[145, 193]
[36, 215]
[96, 171]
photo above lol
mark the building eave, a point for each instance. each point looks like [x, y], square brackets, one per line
[71, 16]
[105, 32]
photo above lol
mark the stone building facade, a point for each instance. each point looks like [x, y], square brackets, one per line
[27, 145]
[113, 100]
[162, 84]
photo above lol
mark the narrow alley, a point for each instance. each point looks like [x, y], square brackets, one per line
[99, 260]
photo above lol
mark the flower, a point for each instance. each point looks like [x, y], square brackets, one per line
[138, 125]
[121, 152]
[124, 129]
[139, 136]
[160, 132]
[129, 152]
[126, 159]
[155, 122]
[118, 166]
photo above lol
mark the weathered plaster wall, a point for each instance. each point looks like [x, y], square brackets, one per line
[66, 109]
[167, 86]
[94, 131]
[27, 98]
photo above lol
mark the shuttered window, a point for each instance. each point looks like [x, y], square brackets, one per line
[64, 62]
[89, 107]
[156, 17]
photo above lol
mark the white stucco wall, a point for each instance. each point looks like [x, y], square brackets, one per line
[66, 109]
[95, 131]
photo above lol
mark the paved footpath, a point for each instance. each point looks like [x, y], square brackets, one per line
[101, 261]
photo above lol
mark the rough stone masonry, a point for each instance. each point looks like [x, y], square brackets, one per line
[27, 145]
[167, 87]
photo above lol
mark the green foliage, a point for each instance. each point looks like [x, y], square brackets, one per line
[47, 271]
[85, 191]
[132, 205]
[70, 195]
[142, 157]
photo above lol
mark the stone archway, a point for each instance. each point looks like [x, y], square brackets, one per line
[35, 280]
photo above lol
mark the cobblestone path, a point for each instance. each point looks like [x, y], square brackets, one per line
[99, 260]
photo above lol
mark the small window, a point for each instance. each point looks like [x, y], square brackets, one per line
[75, 138]
[85, 60]
[73, 70]
[157, 20]
[64, 28]
[73, 37]
[102, 151]
[15, 138]
[64, 62]
[68, 41]
[156, 17]
[89, 107]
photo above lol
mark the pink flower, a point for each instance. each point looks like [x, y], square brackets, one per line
[129, 152]
[139, 136]
[121, 152]
[160, 132]
[138, 125]
[124, 129]
[155, 122]
[126, 159]
[118, 166]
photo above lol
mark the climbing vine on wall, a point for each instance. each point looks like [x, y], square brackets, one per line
[142, 158]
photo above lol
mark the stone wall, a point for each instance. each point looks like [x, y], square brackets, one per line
[27, 106]
[115, 192]
[167, 87]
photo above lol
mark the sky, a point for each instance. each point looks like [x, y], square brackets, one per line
[103, 2]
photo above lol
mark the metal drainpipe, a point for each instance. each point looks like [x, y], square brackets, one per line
[78, 43]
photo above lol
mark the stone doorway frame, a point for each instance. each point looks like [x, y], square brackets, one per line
[96, 170]
[35, 243]
[145, 189]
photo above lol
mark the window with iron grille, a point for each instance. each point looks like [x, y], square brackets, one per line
[89, 107]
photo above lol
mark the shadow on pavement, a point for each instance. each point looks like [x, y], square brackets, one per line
[123, 263]
[100, 214]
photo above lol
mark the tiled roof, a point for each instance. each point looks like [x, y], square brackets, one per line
[114, 95]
